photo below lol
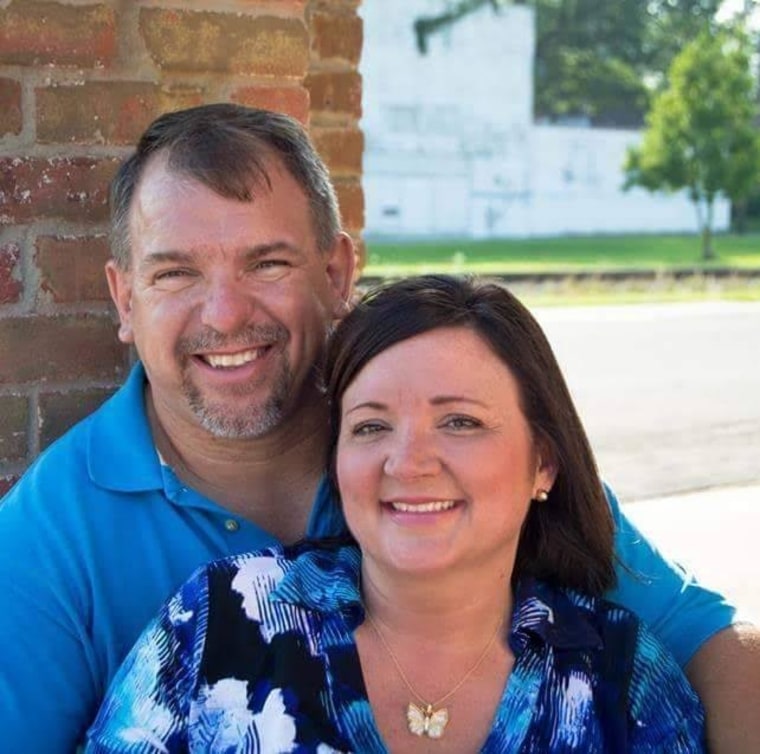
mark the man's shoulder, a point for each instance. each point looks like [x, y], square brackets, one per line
[62, 462]
[102, 444]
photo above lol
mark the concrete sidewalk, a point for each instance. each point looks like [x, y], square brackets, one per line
[715, 533]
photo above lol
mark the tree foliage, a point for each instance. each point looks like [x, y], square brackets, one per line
[596, 61]
[700, 134]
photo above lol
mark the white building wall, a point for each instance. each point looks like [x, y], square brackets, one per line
[445, 127]
[452, 150]
[577, 187]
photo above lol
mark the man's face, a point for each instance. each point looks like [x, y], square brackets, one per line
[227, 303]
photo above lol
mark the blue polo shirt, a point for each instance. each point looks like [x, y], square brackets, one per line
[98, 534]
[93, 539]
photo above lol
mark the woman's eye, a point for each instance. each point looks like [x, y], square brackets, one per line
[462, 422]
[366, 429]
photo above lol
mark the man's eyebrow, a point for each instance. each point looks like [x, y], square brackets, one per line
[162, 257]
[275, 247]
[185, 257]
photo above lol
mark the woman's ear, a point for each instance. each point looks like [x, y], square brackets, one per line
[546, 466]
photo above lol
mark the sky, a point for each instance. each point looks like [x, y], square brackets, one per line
[732, 7]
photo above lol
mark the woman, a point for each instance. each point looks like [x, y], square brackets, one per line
[466, 616]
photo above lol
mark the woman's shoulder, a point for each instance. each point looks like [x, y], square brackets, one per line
[578, 619]
[304, 575]
[664, 712]
[628, 663]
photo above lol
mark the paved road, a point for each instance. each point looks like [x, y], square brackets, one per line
[712, 533]
[669, 394]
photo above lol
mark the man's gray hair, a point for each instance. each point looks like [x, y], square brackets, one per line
[226, 148]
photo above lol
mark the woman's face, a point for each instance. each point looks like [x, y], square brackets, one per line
[436, 463]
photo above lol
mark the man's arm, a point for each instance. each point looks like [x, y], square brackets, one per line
[725, 671]
[720, 657]
[680, 611]
[47, 667]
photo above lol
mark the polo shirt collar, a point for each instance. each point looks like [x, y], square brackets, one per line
[327, 580]
[549, 614]
[121, 453]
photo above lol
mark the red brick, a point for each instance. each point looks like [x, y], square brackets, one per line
[10, 285]
[14, 423]
[72, 188]
[61, 411]
[341, 149]
[280, 7]
[33, 33]
[6, 482]
[71, 269]
[332, 4]
[225, 42]
[293, 101]
[336, 35]
[351, 200]
[100, 112]
[10, 107]
[64, 348]
[335, 91]
[360, 248]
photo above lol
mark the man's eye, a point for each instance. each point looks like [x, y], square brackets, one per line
[271, 269]
[175, 278]
[169, 274]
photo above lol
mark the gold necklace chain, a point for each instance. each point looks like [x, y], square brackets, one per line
[429, 721]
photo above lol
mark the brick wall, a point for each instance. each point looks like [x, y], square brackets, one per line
[79, 81]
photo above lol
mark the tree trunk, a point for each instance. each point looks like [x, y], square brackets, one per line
[739, 217]
[708, 253]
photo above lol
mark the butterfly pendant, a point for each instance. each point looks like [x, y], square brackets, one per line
[426, 722]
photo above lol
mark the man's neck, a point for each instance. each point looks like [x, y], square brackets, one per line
[269, 480]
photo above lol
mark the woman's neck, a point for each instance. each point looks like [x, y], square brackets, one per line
[458, 606]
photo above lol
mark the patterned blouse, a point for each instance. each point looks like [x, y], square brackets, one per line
[256, 654]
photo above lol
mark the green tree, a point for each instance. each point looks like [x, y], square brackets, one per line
[700, 133]
[587, 56]
[598, 61]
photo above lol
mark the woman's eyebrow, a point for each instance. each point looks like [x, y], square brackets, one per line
[374, 405]
[440, 400]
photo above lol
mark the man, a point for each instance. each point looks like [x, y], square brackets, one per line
[228, 268]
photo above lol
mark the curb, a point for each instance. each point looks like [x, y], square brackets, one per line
[609, 275]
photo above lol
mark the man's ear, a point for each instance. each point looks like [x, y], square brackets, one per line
[340, 269]
[120, 287]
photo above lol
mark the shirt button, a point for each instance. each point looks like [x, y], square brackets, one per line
[231, 525]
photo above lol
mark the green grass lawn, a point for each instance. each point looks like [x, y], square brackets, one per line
[570, 254]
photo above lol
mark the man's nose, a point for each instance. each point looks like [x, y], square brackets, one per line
[412, 454]
[227, 306]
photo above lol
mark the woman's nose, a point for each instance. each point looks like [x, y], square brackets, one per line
[412, 455]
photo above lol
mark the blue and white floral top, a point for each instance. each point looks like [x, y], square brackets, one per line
[256, 654]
